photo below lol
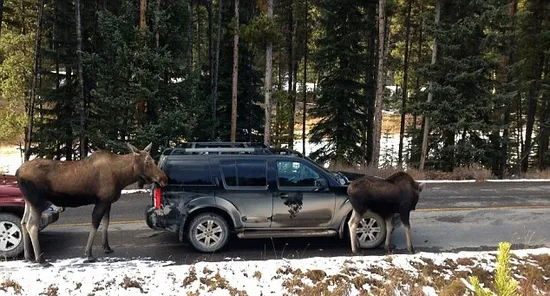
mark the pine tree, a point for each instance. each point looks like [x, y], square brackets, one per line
[340, 64]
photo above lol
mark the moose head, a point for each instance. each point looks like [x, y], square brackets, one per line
[145, 167]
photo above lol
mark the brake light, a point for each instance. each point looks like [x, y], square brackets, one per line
[156, 195]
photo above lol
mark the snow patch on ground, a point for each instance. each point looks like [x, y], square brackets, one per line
[115, 276]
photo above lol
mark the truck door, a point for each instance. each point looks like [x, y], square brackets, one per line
[299, 200]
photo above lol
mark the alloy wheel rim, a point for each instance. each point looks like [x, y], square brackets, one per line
[368, 230]
[208, 233]
[10, 236]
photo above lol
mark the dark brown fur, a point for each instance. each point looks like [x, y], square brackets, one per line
[97, 179]
[398, 193]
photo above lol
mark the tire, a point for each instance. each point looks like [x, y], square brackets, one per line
[199, 236]
[371, 232]
[11, 236]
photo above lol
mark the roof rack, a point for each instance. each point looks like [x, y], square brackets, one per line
[221, 145]
[215, 150]
[208, 148]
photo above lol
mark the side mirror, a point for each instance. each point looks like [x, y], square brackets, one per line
[321, 183]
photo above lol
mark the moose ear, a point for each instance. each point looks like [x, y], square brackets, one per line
[132, 148]
[146, 149]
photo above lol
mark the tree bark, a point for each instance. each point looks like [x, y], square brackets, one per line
[199, 39]
[189, 37]
[424, 151]
[405, 82]
[304, 110]
[142, 26]
[290, 71]
[80, 69]
[157, 33]
[142, 16]
[35, 77]
[1, 15]
[268, 80]
[545, 123]
[378, 105]
[235, 75]
[216, 67]
[506, 121]
[533, 92]
[370, 77]
[210, 47]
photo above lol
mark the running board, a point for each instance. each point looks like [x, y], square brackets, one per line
[284, 234]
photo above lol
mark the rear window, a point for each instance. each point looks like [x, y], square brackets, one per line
[189, 173]
[244, 173]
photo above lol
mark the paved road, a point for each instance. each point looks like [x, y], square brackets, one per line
[449, 216]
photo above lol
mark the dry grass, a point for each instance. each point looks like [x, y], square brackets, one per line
[11, 284]
[51, 291]
[258, 275]
[131, 283]
[189, 279]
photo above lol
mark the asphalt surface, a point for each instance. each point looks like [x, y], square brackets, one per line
[449, 217]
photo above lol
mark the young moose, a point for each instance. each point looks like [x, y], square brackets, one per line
[396, 194]
[97, 179]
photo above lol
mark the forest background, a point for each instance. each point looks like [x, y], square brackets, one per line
[464, 84]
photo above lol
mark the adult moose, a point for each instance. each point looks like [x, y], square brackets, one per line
[396, 194]
[97, 179]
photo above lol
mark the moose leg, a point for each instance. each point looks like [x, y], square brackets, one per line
[405, 219]
[33, 224]
[97, 215]
[352, 225]
[105, 222]
[27, 246]
[389, 230]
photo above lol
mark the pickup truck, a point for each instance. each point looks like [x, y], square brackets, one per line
[12, 206]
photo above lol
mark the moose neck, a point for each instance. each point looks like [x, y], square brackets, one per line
[124, 170]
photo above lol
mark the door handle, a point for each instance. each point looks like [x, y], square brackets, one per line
[283, 195]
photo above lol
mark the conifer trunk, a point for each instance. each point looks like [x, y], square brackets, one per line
[533, 92]
[378, 105]
[424, 151]
[35, 77]
[290, 73]
[268, 80]
[304, 110]
[1, 15]
[81, 96]
[235, 75]
[405, 82]
[216, 68]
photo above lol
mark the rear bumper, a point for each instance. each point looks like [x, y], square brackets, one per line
[50, 215]
[154, 219]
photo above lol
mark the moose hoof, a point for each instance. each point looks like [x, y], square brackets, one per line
[411, 251]
[90, 260]
[108, 250]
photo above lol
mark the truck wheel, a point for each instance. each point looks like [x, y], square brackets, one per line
[208, 232]
[371, 231]
[11, 236]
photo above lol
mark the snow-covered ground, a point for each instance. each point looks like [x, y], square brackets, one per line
[400, 273]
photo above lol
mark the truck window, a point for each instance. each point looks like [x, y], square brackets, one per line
[189, 173]
[294, 173]
[247, 172]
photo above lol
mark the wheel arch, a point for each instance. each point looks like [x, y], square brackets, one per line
[206, 209]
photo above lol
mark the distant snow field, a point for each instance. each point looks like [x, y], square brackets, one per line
[353, 275]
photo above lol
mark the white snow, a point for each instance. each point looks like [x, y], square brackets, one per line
[116, 276]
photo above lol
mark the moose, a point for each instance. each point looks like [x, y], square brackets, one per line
[397, 193]
[96, 179]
